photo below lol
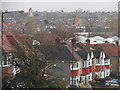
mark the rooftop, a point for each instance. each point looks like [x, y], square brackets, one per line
[55, 52]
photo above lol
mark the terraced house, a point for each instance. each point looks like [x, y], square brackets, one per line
[72, 62]
[77, 62]
[91, 62]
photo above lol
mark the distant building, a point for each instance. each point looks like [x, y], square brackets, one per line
[30, 22]
[30, 12]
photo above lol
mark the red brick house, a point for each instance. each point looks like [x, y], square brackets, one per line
[91, 61]
[10, 46]
[114, 52]
[8, 49]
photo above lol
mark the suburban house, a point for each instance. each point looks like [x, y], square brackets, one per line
[59, 57]
[114, 52]
[72, 62]
[10, 47]
[77, 62]
[7, 56]
[91, 62]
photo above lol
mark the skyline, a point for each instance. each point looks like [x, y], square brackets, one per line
[59, 6]
[60, 1]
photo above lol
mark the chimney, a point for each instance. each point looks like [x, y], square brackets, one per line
[88, 43]
[73, 42]
[106, 41]
[117, 43]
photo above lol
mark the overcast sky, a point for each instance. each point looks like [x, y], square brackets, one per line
[58, 6]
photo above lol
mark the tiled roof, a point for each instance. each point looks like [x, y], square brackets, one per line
[82, 53]
[55, 52]
[83, 50]
[11, 43]
[111, 49]
[97, 51]
[7, 47]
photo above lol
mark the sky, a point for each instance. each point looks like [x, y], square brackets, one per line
[65, 5]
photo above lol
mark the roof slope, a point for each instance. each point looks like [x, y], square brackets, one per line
[55, 52]
[83, 54]
[7, 46]
[111, 49]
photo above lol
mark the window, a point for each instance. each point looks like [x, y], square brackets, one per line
[89, 77]
[84, 63]
[97, 61]
[107, 72]
[107, 61]
[75, 65]
[80, 79]
[75, 80]
[89, 62]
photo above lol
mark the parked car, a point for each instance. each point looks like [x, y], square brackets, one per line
[114, 82]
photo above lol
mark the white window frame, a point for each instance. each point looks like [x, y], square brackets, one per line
[75, 65]
[85, 64]
[75, 79]
[98, 61]
[107, 61]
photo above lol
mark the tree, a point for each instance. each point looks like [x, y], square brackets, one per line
[46, 22]
[64, 33]
[33, 66]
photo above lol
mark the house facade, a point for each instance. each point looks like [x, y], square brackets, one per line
[58, 57]
[71, 63]
[9, 49]
[91, 63]
[114, 53]
[7, 56]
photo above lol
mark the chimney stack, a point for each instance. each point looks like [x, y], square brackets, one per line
[73, 41]
[88, 43]
[117, 43]
[106, 41]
